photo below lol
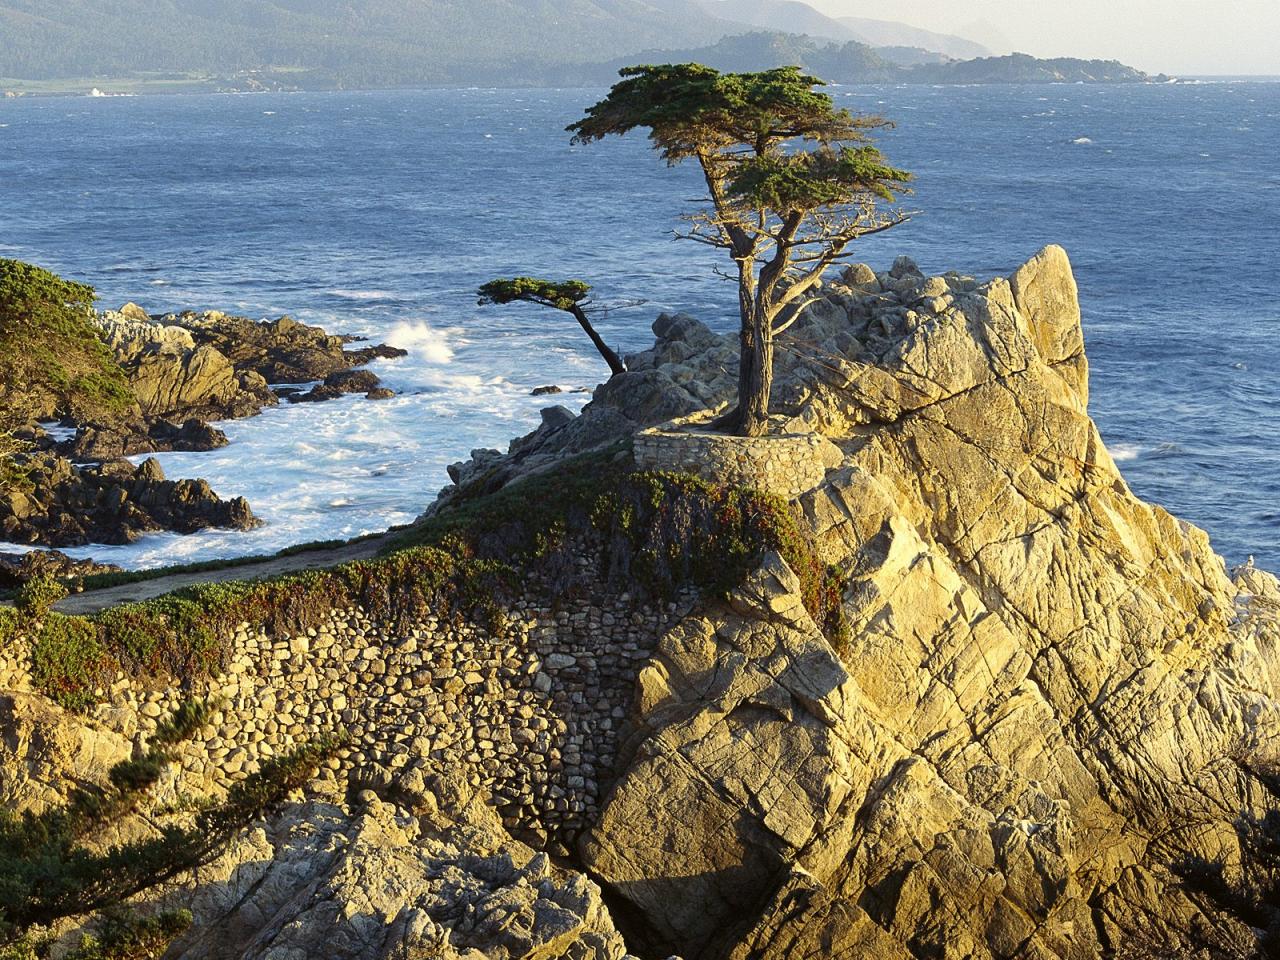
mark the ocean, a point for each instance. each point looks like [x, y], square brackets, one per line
[379, 213]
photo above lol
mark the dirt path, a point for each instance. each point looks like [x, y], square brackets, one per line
[92, 601]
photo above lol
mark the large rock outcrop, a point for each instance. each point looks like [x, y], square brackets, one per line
[1050, 698]
[374, 881]
[65, 505]
[186, 369]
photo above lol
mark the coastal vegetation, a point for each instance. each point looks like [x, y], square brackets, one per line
[55, 864]
[569, 296]
[783, 214]
[52, 361]
[658, 533]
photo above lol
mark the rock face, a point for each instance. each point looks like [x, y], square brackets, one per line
[17, 568]
[189, 368]
[376, 881]
[1050, 698]
[65, 505]
[97, 442]
[282, 351]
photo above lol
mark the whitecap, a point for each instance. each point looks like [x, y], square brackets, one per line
[422, 341]
[362, 294]
[1082, 140]
[1122, 452]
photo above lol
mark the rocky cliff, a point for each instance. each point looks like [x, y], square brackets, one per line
[1042, 709]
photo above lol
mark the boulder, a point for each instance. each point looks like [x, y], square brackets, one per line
[17, 568]
[384, 882]
[113, 503]
[280, 351]
[97, 442]
[343, 382]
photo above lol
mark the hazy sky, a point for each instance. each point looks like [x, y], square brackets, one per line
[1170, 36]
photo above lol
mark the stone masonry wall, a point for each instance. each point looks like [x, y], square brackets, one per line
[787, 465]
[531, 717]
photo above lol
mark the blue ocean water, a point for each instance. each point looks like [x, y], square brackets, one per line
[379, 213]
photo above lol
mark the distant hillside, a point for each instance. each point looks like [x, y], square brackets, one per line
[885, 33]
[784, 16]
[327, 44]
[859, 63]
[348, 42]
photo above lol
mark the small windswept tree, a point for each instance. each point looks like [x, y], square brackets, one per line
[571, 296]
[48, 869]
[792, 181]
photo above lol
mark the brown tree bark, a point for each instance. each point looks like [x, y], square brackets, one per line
[755, 377]
[616, 366]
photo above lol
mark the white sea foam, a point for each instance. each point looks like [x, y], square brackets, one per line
[363, 294]
[422, 341]
[1123, 452]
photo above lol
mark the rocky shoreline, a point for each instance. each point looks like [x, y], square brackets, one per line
[1035, 714]
[185, 372]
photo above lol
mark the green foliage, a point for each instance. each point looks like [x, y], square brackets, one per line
[69, 661]
[792, 180]
[684, 531]
[10, 624]
[122, 936]
[657, 533]
[820, 178]
[26, 286]
[47, 870]
[38, 595]
[737, 126]
[564, 295]
[29, 946]
[51, 357]
[186, 634]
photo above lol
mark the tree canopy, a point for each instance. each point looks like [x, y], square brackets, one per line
[792, 180]
[55, 864]
[562, 296]
[52, 359]
[567, 295]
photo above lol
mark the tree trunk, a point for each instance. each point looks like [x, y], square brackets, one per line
[755, 378]
[616, 366]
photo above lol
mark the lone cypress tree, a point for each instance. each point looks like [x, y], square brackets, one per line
[567, 295]
[792, 181]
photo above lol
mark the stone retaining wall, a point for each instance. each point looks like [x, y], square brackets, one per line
[532, 717]
[787, 465]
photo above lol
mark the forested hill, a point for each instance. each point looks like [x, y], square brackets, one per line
[348, 42]
[859, 63]
[325, 44]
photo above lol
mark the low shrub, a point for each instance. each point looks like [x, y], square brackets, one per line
[69, 661]
[54, 864]
[652, 534]
[38, 595]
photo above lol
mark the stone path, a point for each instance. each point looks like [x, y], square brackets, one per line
[92, 601]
